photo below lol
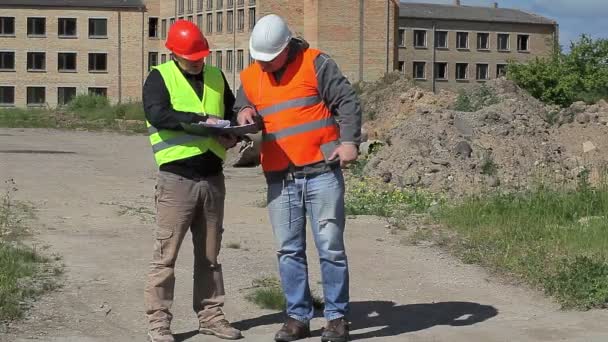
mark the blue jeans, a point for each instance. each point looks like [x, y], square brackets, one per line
[322, 199]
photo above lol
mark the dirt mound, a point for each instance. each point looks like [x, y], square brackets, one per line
[512, 144]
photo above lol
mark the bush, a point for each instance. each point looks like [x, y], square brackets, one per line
[476, 98]
[580, 75]
[86, 102]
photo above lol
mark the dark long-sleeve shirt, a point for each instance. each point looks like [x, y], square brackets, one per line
[160, 113]
[335, 90]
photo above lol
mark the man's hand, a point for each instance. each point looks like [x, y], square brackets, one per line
[228, 141]
[246, 116]
[212, 120]
[347, 153]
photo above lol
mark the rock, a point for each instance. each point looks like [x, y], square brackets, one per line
[367, 147]
[404, 97]
[493, 181]
[440, 162]
[411, 179]
[364, 135]
[602, 103]
[583, 118]
[593, 109]
[588, 146]
[387, 177]
[462, 126]
[578, 106]
[507, 117]
[248, 154]
[463, 149]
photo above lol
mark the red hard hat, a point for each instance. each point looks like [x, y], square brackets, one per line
[186, 40]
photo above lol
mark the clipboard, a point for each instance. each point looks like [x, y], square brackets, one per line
[206, 130]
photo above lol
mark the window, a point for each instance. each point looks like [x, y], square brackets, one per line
[190, 18]
[441, 39]
[240, 25]
[482, 72]
[219, 22]
[36, 26]
[523, 42]
[180, 6]
[98, 28]
[163, 29]
[98, 91]
[229, 61]
[251, 18]
[209, 5]
[190, 6]
[66, 61]
[152, 59]
[7, 96]
[419, 70]
[7, 26]
[7, 60]
[251, 61]
[98, 62]
[462, 40]
[501, 70]
[441, 71]
[401, 66]
[229, 3]
[36, 96]
[219, 4]
[218, 59]
[36, 61]
[401, 38]
[239, 60]
[483, 41]
[171, 22]
[230, 21]
[65, 95]
[163, 58]
[502, 42]
[209, 58]
[199, 5]
[153, 27]
[209, 22]
[419, 38]
[462, 71]
[251, 2]
[240, 3]
[67, 27]
[199, 22]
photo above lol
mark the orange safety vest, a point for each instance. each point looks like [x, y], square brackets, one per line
[296, 120]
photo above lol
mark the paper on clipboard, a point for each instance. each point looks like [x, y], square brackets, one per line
[204, 129]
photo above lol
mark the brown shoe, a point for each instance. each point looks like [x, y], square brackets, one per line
[292, 330]
[160, 335]
[221, 329]
[336, 331]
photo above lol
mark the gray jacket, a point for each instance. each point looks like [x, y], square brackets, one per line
[335, 90]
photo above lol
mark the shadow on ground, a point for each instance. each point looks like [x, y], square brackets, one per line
[385, 318]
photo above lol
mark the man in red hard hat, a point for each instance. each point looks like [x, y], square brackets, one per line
[190, 188]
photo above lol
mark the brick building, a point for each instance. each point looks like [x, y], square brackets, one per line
[51, 50]
[463, 45]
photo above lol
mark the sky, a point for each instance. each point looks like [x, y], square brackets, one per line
[575, 17]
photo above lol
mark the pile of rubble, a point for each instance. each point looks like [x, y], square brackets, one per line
[512, 144]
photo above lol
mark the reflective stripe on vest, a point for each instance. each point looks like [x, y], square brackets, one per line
[296, 120]
[171, 145]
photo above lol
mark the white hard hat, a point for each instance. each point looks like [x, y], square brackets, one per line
[269, 37]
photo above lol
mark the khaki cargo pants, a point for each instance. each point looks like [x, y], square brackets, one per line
[183, 204]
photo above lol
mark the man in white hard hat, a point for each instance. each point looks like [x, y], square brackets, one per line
[298, 94]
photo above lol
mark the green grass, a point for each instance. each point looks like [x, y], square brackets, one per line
[83, 112]
[24, 274]
[557, 240]
[267, 294]
[365, 197]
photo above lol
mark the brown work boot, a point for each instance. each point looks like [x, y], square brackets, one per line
[335, 331]
[292, 330]
[221, 329]
[160, 335]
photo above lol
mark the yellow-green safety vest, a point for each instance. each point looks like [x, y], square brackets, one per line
[171, 145]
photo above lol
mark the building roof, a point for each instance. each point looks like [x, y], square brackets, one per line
[126, 4]
[470, 13]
